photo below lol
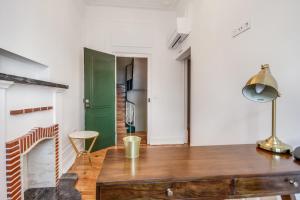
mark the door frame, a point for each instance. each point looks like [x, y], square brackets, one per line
[187, 99]
[149, 88]
[183, 57]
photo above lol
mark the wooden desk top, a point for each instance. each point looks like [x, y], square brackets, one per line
[189, 163]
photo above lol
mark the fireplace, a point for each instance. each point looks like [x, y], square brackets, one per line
[26, 156]
[30, 157]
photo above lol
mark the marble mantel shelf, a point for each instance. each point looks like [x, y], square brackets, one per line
[29, 81]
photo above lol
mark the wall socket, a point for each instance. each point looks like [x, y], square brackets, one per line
[244, 27]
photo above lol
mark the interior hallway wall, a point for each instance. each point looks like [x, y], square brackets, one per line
[145, 32]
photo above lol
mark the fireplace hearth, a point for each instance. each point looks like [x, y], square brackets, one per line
[65, 190]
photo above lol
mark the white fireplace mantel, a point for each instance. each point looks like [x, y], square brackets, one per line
[54, 97]
[5, 84]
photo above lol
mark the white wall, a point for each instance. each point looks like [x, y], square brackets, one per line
[121, 64]
[139, 93]
[221, 65]
[48, 32]
[140, 74]
[145, 32]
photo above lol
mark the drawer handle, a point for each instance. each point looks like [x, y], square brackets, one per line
[170, 192]
[293, 182]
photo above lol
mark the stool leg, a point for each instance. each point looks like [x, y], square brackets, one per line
[92, 145]
[90, 149]
[74, 147]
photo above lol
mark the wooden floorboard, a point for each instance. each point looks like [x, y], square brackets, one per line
[88, 174]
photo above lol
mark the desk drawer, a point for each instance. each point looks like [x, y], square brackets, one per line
[134, 191]
[200, 190]
[204, 189]
[274, 185]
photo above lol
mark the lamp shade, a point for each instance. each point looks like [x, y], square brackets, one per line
[262, 87]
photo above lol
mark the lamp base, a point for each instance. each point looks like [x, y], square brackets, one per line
[275, 145]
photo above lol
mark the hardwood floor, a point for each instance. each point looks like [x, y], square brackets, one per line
[88, 174]
[142, 135]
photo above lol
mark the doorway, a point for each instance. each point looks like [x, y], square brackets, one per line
[132, 94]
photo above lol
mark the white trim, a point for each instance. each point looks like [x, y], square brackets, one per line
[185, 99]
[149, 85]
[184, 54]
[183, 58]
[60, 90]
[3, 112]
[116, 103]
[5, 84]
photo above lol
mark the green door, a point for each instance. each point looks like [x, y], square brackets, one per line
[99, 93]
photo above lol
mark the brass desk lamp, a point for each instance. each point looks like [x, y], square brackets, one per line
[263, 88]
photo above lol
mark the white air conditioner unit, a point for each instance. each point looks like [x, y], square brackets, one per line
[180, 34]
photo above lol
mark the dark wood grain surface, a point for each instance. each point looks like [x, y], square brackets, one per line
[182, 163]
[202, 173]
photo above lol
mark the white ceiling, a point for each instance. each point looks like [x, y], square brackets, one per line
[147, 4]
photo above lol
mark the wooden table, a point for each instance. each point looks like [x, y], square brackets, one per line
[84, 135]
[203, 173]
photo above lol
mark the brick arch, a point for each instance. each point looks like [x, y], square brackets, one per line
[19, 147]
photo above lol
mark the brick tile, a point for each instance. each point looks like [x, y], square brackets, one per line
[12, 150]
[36, 109]
[14, 193]
[13, 183]
[13, 177]
[16, 112]
[44, 108]
[12, 144]
[13, 165]
[28, 110]
[16, 170]
[12, 157]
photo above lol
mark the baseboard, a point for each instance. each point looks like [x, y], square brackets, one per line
[166, 140]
